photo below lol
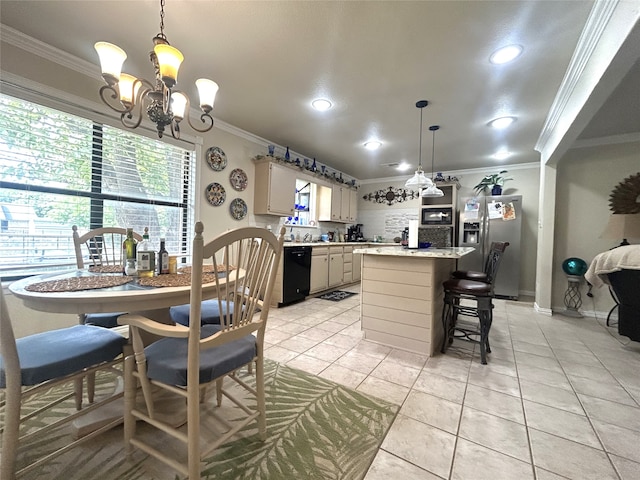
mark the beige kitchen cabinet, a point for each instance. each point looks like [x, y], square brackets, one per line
[353, 206]
[319, 269]
[275, 189]
[347, 262]
[344, 204]
[357, 265]
[336, 266]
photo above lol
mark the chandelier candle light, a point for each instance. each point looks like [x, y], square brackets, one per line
[419, 180]
[165, 107]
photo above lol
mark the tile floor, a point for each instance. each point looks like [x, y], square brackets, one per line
[560, 397]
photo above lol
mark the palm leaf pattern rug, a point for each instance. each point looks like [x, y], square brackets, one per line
[316, 429]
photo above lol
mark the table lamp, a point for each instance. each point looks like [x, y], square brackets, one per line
[624, 226]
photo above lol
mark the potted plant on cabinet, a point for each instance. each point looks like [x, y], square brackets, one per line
[494, 181]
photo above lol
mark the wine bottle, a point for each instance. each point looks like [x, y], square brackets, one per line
[129, 254]
[163, 258]
[146, 256]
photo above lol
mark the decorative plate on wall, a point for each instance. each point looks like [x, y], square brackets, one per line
[238, 208]
[238, 179]
[216, 158]
[215, 194]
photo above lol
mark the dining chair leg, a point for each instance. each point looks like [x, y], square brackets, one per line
[219, 390]
[130, 390]
[11, 433]
[91, 387]
[261, 403]
[78, 391]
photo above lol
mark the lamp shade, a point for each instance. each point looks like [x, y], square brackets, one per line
[623, 226]
[111, 59]
[432, 191]
[207, 89]
[419, 180]
[178, 105]
[128, 87]
[169, 60]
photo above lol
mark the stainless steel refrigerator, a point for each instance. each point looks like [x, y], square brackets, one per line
[493, 219]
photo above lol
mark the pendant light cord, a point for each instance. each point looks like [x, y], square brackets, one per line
[420, 146]
[433, 153]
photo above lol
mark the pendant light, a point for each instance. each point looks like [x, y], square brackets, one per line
[432, 190]
[419, 180]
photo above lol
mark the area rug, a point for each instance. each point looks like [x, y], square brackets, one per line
[337, 295]
[317, 429]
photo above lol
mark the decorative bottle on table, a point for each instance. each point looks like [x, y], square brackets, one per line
[130, 247]
[146, 256]
[163, 258]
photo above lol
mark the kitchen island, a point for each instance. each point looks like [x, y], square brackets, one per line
[402, 296]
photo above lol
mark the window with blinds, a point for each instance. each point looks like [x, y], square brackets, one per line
[58, 170]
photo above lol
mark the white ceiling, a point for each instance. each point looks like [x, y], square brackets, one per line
[372, 59]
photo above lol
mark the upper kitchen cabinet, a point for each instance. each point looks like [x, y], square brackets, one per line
[302, 195]
[341, 205]
[275, 189]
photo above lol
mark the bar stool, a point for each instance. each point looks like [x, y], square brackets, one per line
[464, 288]
[490, 265]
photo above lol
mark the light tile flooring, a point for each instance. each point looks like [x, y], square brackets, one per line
[560, 397]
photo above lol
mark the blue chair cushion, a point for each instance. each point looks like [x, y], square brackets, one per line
[54, 354]
[105, 320]
[209, 313]
[167, 358]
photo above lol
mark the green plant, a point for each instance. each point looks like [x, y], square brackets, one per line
[489, 181]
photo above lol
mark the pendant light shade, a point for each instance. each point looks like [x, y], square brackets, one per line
[419, 179]
[432, 190]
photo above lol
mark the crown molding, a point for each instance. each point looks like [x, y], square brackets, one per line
[609, 140]
[29, 44]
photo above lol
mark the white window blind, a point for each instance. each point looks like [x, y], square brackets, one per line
[59, 170]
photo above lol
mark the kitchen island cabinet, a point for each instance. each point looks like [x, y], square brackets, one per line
[402, 296]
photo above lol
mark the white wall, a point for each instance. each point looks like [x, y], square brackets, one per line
[586, 178]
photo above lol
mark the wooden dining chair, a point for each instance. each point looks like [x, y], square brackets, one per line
[188, 359]
[36, 363]
[100, 250]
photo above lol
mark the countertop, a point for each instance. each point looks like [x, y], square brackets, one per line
[338, 244]
[452, 252]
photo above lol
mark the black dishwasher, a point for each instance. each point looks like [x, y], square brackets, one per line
[296, 274]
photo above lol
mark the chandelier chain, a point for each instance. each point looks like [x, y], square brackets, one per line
[162, 20]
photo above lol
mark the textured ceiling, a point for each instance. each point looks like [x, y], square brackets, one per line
[372, 59]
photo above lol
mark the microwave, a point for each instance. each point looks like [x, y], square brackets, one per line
[437, 216]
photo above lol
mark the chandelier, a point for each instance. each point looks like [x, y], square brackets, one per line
[128, 95]
[419, 180]
[432, 190]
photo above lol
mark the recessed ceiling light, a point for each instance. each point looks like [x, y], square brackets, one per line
[403, 166]
[372, 145]
[502, 122]
[505, 54]
[502, 154]
[321, 104]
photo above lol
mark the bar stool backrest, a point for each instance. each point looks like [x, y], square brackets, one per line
[493, 260]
